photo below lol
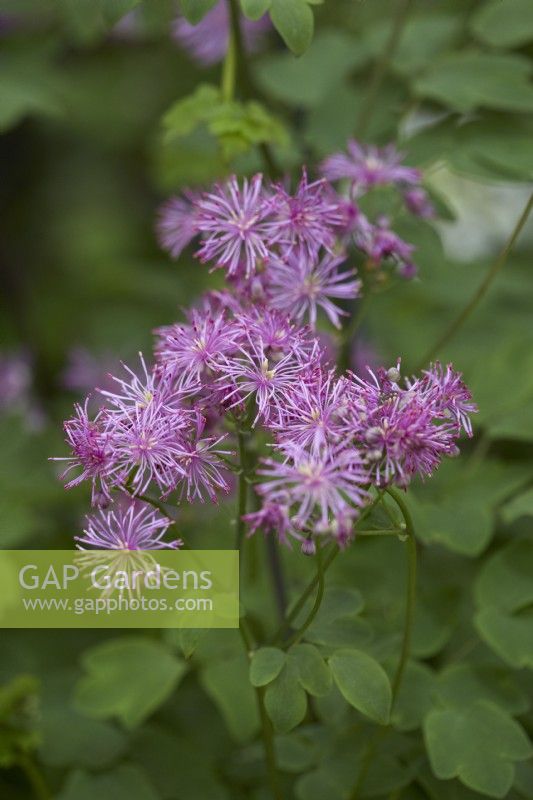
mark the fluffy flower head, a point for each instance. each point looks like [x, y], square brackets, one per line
[299, 286]
[233, 222]
[133, 526]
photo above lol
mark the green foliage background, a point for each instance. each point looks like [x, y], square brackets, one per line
[96, 130]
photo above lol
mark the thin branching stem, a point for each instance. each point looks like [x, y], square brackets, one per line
[410, 600]
[244, 78]
[267, 733]
[298, 635]
[482, 289]
[308, 591]
[243, 489]
[382, 67]
[34, 776]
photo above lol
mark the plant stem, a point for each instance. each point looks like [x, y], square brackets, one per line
[229, 70]
[297, 636]
[406, 639]
[483, 288]
[267, 733]
[246, 83]
[34, 776]
[410, 599]
[295, 610]
[276, 572]
[382, 67]
[243, 490]
[333, 553]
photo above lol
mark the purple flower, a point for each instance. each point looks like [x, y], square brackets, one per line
[190, 348]
[418, 203]
[83, 371]
[450, 395]
[253, 373]
[201, 463]
[272, 518]
[176, 224]
[136, 393]
[380, 243]
[207, 42]
[277, 333]
[133, 527]
[403, 431]
[308, 219]
[233, 220]
[311, 412]
[368, 166]
[148, 446]
[319, 488]
[15, 380]
[91, 445]
[299, 286]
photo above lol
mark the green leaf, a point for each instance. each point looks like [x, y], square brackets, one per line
[504, 147]
[90, 20]
[171, 761]
[519, 506]
[236, 126]
[462, 684]
[458, 509]
[524, 779]
[477, 744]
[435, 619]
[127, 678]
[123, 783]
[337, 623]
[188, 639]
[266, 664]
[505, 579]
[469, 80]
[363, 682]
[285, 700]
[422, 40]
[414, 698]
[342, 632]
[316, 786]
[340, 601]
[333, 120]
[29, 86]
[195, 10]
[190, 161]
[254, 9]
[240, 126]
[314, 674]
[504, 24]
[511, 637]
[295, 752]
[293, 19]
[71, 739]
[308, 80]
[454, 522]
[332, 708]
[18, 719]
[227, 683]
[186, 114]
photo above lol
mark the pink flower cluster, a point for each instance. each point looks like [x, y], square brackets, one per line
[247, 359]
[293, 244]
